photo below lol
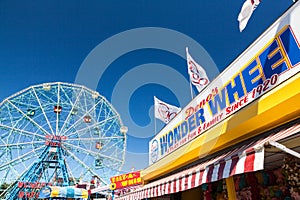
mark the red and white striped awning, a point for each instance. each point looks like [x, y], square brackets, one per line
[247, 158]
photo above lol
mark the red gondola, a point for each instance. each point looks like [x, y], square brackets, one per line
[87, 119]
[98, 145]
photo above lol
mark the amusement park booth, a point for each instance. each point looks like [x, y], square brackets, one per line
[239, 138]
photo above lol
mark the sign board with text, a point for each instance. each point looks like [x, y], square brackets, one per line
[273, 58]
[125, 180]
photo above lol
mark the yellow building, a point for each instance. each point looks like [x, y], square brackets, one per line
[240, 141]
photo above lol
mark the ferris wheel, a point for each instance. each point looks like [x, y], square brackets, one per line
[59, 133]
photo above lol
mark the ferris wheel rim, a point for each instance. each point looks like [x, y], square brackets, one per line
[52, 132]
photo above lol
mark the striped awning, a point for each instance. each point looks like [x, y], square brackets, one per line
[247, 158]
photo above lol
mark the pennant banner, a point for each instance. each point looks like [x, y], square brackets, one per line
[197, 74]
[248, 7]
[163, 111]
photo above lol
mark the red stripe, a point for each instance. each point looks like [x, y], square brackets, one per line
[249, 162]
[179, 186]
[209, 173]
[174, 185]
[234, 161]
[186, 182]
[148, 193]
[221, 169]
[193, 180]
[181, 181]
[201, 175]
[169, 188]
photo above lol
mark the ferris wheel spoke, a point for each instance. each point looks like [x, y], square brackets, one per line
[11, 128]
[85, 104]
[7, 173]
[82, 163]
[57, 113]
[17, 174]
[69, 170]
[72, 109]
[107, 129]
[9, 116]
[23, 132]
[50, 101]
[91, 126]
[2, 153]
[24, 115]
[91, 152]
[81, 118]
[2, 141]
[42, 108]
[23, 144]
[25, 104]
[5, 156]
[102, 107]
[21, 158]
[96, 139]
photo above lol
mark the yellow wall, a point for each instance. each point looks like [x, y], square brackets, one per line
[278, 106]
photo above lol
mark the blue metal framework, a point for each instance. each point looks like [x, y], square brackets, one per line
[49, 166]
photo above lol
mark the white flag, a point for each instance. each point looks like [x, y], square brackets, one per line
[197, 74]
[163, 111]
[246, 12]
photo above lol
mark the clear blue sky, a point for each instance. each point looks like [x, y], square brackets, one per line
[48, 41]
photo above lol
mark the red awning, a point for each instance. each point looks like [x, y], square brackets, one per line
[246, 158]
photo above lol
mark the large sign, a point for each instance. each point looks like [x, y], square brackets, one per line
[125, 180]
[31, 189]
[272, 59]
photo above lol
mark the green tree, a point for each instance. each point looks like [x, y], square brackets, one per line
[4, 186]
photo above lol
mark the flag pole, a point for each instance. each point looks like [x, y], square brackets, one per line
[187, 59]
[154, 124]
[154, 117]
[191, 89]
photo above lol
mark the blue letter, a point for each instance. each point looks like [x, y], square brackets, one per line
[200, 119]
[238, 88]
[217, 102]
[184, 129]
[252, 78]
[177, 135]
[191, 122]
[170, 139]
[163, 144]
[291, 46]
[269, 58]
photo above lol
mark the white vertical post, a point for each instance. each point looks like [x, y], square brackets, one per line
[191, 89]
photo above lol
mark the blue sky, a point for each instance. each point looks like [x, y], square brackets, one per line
[49, 41]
